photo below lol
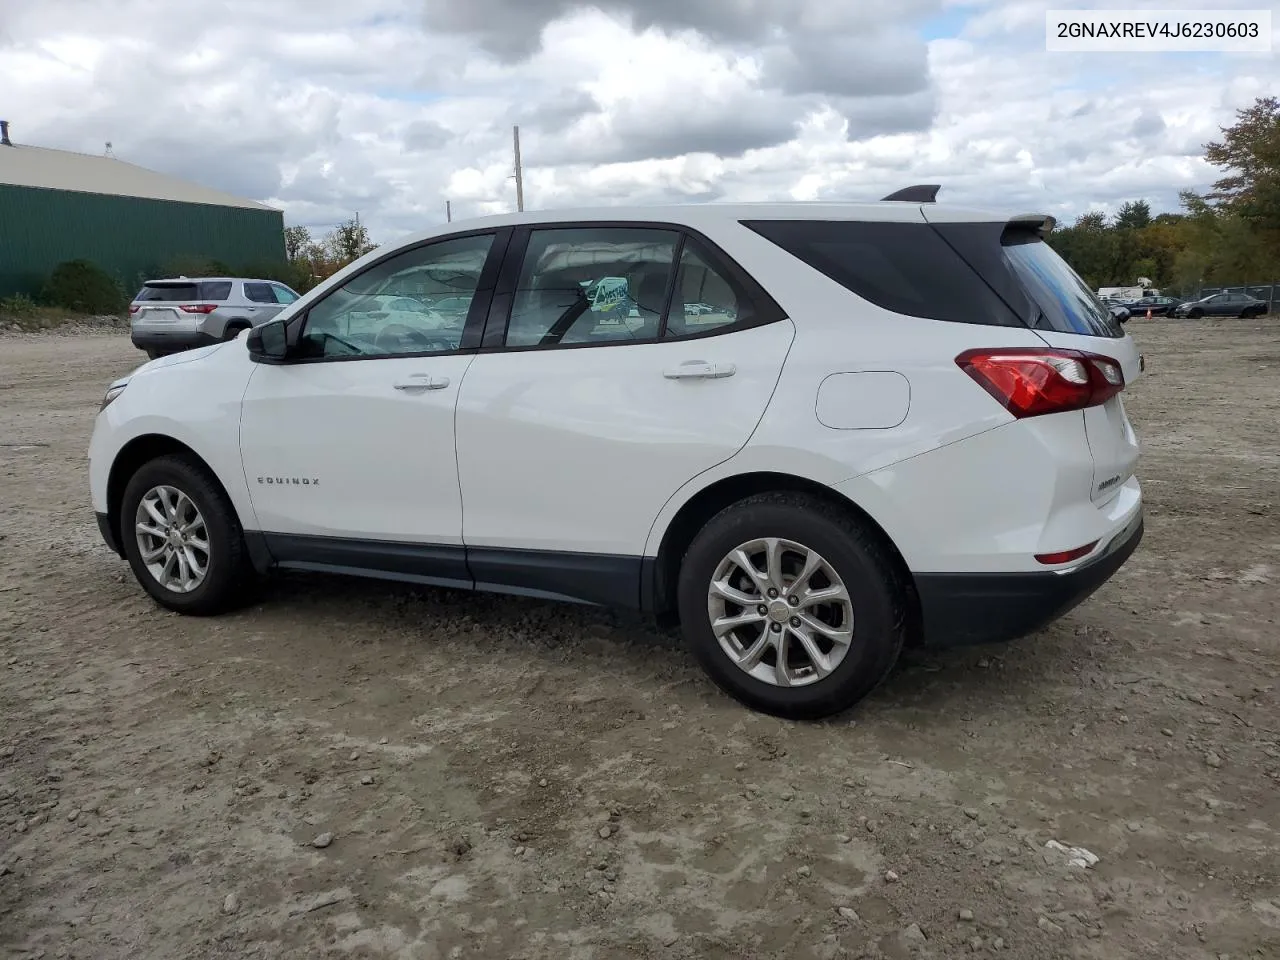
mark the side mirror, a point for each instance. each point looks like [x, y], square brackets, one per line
[268, 343]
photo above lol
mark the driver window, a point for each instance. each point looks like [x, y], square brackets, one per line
[387, 310]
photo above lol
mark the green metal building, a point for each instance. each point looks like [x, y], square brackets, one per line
[57, 206]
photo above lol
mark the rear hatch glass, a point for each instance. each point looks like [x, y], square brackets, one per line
[1065, 302]
[194, 292]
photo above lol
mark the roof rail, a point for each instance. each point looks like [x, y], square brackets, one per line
[919, 193]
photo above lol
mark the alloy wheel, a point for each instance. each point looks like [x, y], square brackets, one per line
[173, 540]
[780, 612]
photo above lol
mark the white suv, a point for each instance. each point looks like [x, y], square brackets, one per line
[879, 424]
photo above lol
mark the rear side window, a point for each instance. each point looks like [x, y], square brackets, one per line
[259, 292]
[592, 285]
[907, 268]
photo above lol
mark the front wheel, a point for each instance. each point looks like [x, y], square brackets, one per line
[182, 538]
[1195, 314]
[791, 605]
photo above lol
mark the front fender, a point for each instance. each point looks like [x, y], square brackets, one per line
[196, 404]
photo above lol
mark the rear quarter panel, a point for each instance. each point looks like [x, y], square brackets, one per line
[839, 332]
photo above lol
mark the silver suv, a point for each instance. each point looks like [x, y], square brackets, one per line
[169, 316]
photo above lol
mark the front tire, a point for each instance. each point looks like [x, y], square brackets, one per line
[792, 605]
[182, 538]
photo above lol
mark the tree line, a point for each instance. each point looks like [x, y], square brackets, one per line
[1229, 235]
[312, 260]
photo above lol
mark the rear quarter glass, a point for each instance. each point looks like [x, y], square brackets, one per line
[907, 268]
[981, 273]
[215, 290]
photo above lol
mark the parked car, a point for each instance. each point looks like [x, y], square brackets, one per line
[1159, 306]
[1222, 305]
[169, 316]
[905, 426]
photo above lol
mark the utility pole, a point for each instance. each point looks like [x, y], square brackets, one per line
[519, 173]
[448, 211]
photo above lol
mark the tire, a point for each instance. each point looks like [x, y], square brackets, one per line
[876, 607]
[1195, 314]
[229, 575]
[154, 354]
[234, 330]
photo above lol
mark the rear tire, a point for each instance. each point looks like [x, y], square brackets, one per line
[154, 354]
[186, 522]
[856, 636]
[234, 330]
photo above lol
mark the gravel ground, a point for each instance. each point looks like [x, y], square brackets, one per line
[351, 769]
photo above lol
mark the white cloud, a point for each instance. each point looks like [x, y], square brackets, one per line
[390, 107]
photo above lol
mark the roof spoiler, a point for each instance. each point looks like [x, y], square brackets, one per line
[1040, 223]
[919, 193]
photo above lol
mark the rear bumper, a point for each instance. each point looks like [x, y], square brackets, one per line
[171, 341]
[960, 609]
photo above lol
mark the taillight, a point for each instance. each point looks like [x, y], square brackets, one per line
[198, 307]
[1032, 382]
[133, 308]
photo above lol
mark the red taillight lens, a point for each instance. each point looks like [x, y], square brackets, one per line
[133, 308]
[1066, 556]
[1033, 382]
[198, 307]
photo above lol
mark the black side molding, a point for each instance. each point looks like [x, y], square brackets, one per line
[591, 578]
[918, 193]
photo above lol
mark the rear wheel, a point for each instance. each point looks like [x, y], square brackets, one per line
[154, 354]
[234, 330]
[791, 605]
[182, 538]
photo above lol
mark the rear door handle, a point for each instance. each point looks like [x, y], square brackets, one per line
[700, 370]
[422, 381]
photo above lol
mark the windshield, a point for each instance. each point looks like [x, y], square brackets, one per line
[1066, 303]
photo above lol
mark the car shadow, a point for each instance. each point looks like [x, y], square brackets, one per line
[940, 682]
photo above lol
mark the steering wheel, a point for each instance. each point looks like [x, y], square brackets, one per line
[393, 338]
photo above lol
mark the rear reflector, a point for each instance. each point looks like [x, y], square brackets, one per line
[1066, 556]
[198, 307]
[1033, 382]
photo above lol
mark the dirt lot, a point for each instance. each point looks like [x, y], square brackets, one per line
[506, 778]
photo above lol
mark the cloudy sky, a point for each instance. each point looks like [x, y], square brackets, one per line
[390, 107]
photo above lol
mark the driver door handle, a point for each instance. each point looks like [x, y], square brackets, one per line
[422, 381]
[700, 370]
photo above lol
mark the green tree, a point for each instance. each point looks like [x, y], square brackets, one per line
[296, 241]
[348, 241]
[1134, 215]
[1093, 222]
[1249, 152]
